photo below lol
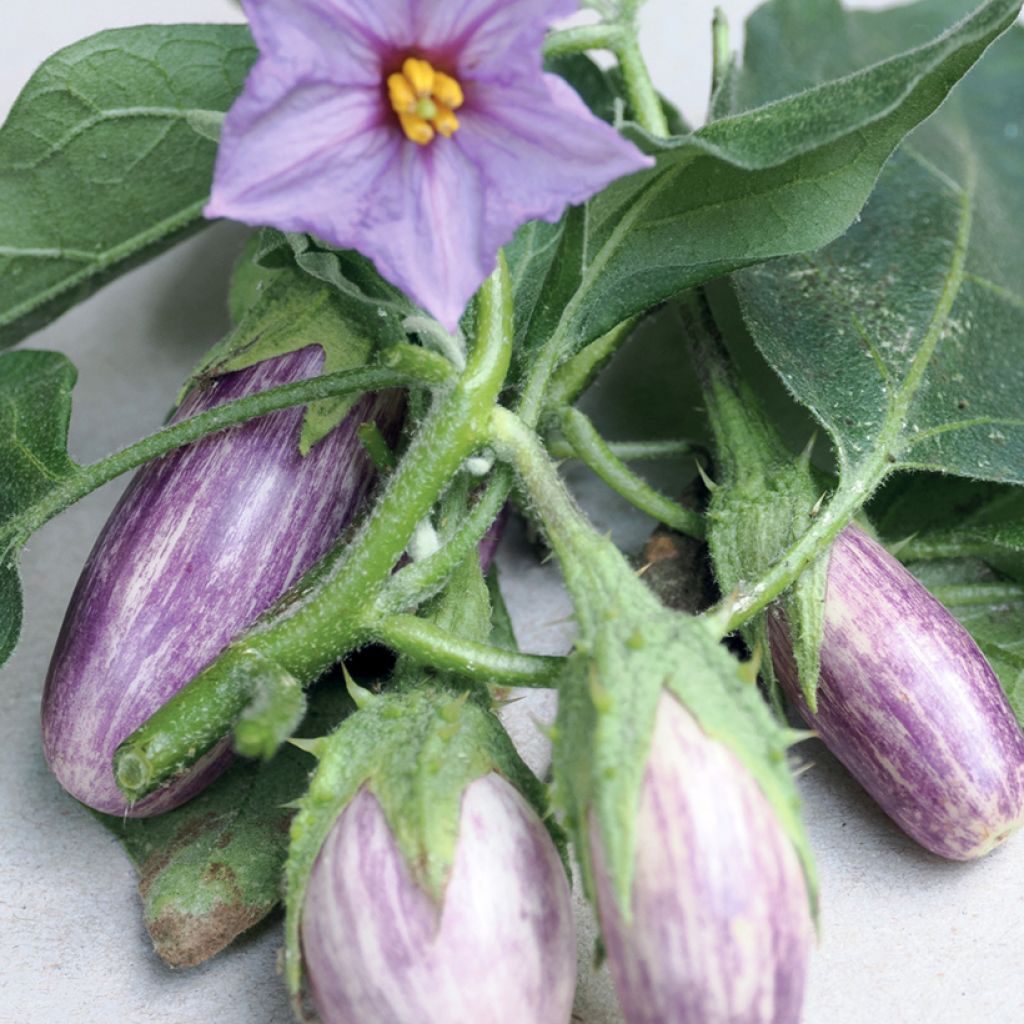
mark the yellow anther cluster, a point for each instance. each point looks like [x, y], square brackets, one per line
[425, 101]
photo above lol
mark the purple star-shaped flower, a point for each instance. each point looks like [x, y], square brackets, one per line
[421, 132]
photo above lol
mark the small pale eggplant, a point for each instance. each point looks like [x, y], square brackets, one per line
[719, 930]
[909, 704]
[500, 949]
[203, 541]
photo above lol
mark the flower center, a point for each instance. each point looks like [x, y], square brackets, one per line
[425, 101]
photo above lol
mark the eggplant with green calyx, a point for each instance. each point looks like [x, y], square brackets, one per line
[907, 701]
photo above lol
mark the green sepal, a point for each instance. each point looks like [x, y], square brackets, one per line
[416, 751]
[630, 650]
[763, 501]
[284, 310]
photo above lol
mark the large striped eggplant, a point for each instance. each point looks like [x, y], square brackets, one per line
[909, 704]
[502, 948]
[203, 541]
[719, 930]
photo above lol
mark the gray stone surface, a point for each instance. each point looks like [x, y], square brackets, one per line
[906, 938]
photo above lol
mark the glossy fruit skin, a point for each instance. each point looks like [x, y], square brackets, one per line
[503, 949]
[203, 541]
[720, 929]
[909, 704]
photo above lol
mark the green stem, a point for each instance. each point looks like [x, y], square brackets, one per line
[630, 451]
[430, 645]
[575, 375]
[574, 540]
[969, 595]
[721, 50]
[415, 361]
[581, 38]
[230, 414]
[420, 580]
[328, 614]
[643, 97]
[747, 446]
[592, 448]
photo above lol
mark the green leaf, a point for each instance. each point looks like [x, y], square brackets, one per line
[35, 408]
[106, 159]
[989, 612]
[903, 338]
[211, 869]
[284, 310]
[787, 177]
[936, 518]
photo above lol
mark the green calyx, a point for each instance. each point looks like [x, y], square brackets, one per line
[631, 650]
[416, 751]
[763, 499]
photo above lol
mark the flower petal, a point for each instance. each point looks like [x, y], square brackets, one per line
[284, 144]
[345, 40]
[539, 154]
[424, 231]
[482, 34]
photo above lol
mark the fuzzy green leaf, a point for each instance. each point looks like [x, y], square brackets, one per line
[106, 159]
[35, 408]
[784, 178]
[930, 517]
[903, 338]
[211, 869]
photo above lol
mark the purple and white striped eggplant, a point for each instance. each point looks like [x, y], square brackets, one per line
[720, 929]
[502, 949]
[909, 704]
[203, 541]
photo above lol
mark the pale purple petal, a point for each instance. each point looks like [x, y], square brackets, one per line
[343, 40]
[289, 148]
[540, 155]
[485, 35]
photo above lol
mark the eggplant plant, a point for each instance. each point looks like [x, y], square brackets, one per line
[458, 221]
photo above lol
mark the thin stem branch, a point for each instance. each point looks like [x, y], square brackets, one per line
[592, 448]
[629, 451]
[581, 38]
[430, 645]
[230, 414]
[420, 580]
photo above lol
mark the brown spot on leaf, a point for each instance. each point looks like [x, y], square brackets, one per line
[186, 940]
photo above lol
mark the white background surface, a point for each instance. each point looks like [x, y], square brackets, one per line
[907, 939]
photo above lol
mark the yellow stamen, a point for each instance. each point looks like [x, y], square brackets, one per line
[445, 121]
[420, 75]
[425, 101]
[403, 99]
[448, 91]
[416, 129]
